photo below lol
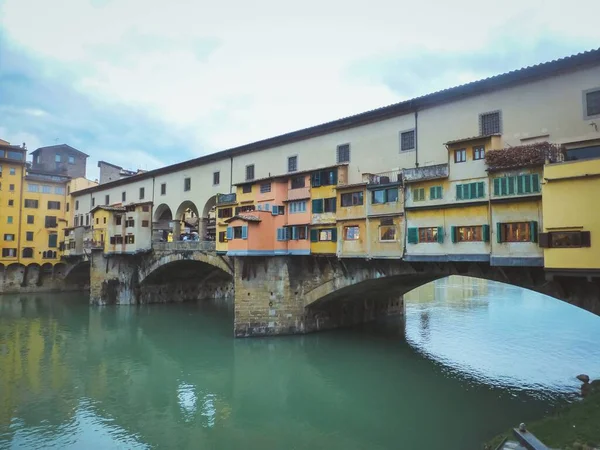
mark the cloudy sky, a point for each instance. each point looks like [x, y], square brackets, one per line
[143, 83]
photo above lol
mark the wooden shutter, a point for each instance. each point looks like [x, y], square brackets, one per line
[533, 231]
[245, 232]
[317, 206]
[334, 176]
[480, 189]
[412, 236]
[440, 235]
[535, 183]
[295, 233]
[453, 236]
[521, 184]
[485, 233]
[274, 210]
[544, 240]
[316, 179]
[496, 186]
[52, 240]
[459, 192]
[286, 234]
[334, 234]
[279, 238]
[314, 235]
[229, 234]
[432, 192]
[499, 232]
[586, 239]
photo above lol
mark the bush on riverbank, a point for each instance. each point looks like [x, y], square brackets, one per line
[574, 427]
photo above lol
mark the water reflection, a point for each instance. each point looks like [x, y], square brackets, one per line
[472, 359]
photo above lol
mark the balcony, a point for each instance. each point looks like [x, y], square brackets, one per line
[391, 177]
[183, 246]
[298, 194]
[425, 173]
[226, 199]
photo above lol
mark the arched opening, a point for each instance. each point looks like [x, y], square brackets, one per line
[27, 252]
[78, 277]
[187, 221]
[32, 275]
[208, 224]
[162, 222]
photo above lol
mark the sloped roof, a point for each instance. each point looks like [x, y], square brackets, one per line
[244, 217]
[58, 146]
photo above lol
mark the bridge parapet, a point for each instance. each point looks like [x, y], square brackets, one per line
[184, 246]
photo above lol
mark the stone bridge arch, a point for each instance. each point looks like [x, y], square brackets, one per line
[160, 260]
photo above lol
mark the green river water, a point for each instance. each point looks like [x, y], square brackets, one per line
[470, 359]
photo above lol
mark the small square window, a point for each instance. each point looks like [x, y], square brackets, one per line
[265, 187]
[407, 140]
[490, 123]
[187, 184]
[163, 189]
[343, 153]
[71, 160]
[250, 172]
[12, 171]
[57, 158]
[591, 100]
[29, 235]
[123, 196]
[216, 178]
[246, 188]
[142, 193]
[106, 200]
[11, 187]
[11, 203]
[292, 163]
[478, 153]
[460, 155]
[30, 220]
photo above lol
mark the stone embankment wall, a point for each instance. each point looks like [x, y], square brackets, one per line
[19, 279]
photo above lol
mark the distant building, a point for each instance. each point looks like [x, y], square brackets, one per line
[60, 159]
[111, 172]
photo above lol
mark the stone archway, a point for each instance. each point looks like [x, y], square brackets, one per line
[186, 217]
[208, 230]
[162, 222]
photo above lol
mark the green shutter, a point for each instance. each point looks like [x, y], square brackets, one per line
[533, 231]
[334, 176]
[412, 236]
[440, 235]
[521, 184]
[510, 183]
[245, 232]
[314, 235]
[432, 195]
[480, 190]
[317, 206]
[229, 233]
[499, 233]
[535, 182]
[295, 233]
[52, 240]
[453, 234]
[504, 186]
[334, 235]
[316, 179]
[485, 233]
[459, 190]
[527, 184]
[496, 186]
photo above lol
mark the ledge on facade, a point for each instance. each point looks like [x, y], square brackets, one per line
[456, 257]
[520, 156]
[472, 138]
[425, 173]
[517, 261]
[244, 217]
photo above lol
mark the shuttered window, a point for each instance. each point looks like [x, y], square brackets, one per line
[518, 184]
[470, 191]
[435, 192]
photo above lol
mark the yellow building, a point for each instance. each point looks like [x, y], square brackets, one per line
[571, 237]
[351, 218]
[12, 172]
[122, 229]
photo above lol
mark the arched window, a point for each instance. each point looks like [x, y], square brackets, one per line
[44, 255]
[27, 252]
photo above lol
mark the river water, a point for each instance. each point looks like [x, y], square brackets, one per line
[471, 359]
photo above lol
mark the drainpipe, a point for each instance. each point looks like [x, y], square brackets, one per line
[20, 217]
[416, 138]
[231, 174]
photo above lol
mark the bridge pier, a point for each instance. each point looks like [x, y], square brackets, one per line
[113, 279]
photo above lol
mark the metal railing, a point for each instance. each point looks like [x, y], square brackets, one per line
[182, 246]
[425, 173]
[393, 176]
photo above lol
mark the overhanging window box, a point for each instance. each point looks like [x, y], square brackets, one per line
[517, 232]
[565, 239]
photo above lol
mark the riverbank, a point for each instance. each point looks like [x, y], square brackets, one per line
[575, 426]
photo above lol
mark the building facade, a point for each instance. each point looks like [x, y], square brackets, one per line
[61, 159]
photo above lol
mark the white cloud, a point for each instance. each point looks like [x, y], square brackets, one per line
[233, 72]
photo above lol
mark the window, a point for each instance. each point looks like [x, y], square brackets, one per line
[87, 220]
[106, 200]
[329, 205]
[407, 140]
[387, 233]
[145, 223]
[9, 252]
[57, 158]
[265, 187]
[71, 160]
[27, 252]
[278, 210]
[565, 239]
[429, 234]
[222, 236]
[129, 239]
[435, 192]
[460, 155]
[11, 187]
[146, 208]
[292, 163]
[33, 187]
[53, 240]
[591, 152]
[187, 184]
[93, 201]
[163, 189]
[67, 207]
[490, 123]
[244, 209]
[123, 196]
[142, 193]
[237, 232]
[130, 222]
[9, 237]
[224, 213]
[46, 189]
[30, 220]
[59, 190]
[11, 203]
[104, 219]
[426, 234]
[351, 233]
[53, 205]
[118, 220]
[247, 188]
[470, 190]
[324, 178]
[325, 235]
[298, 182]
[520, 184]
[29, 236]
[50, 222]
[97, 220]
[250, 172]
[343, 153]
[384, 195]
[31, 203]
[283, 234]
[9, 219]
[516, 232]
[116, 240]
[591, 100]
[216, 178]
[475, 233]
[297, 207]
[418, 194]
[478, 153]
[299, 233]
[351, 199]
